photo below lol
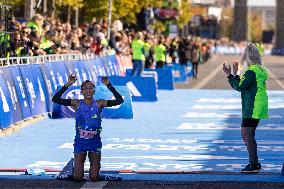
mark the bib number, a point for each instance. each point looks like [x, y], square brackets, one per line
[87, 134]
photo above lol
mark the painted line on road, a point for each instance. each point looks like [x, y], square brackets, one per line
[230, 107]
[212, 115]
[94, 185]
[208, 78]
[225, 126]
[161, 142]
[231, 100]
[221, 115]
[277, 80]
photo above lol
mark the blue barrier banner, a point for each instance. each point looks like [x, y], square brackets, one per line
[55, 74]
[16, 107]
[124, 110]
[20, 90]
[94, 66]
[74, 92]
[6, 102]
[142, 89]
[82, 72]
[83, 68]
[179, 72]
[91, 70]
[112, 65]
[189, 70]
[165, 77]
[97, 66]
[104, 61]
[35, 87]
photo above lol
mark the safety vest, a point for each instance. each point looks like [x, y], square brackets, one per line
[46, 46]
[5, 39]
[137, 50]
[147, 47]
[104, 42]
[18, 51]
[160, 53]
[35, 26]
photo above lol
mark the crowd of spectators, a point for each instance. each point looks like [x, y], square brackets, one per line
[45, 36]
[42, 36]
[225, 46]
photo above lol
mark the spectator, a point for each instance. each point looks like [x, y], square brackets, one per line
[138, 57]
[254, 100]
[47, 43]
[160, 53]
[149, 53]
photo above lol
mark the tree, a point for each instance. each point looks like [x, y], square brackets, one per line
[240, 20]
[184, 14]
[72, 4]
[13, 3]
[125, 10]
[95, 8]
[279, 39]
[51, 8]
[255, 27]
[226, 23]
[159, 26]
[29, 9]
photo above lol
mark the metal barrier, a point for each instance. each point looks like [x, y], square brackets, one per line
[45, 59]
[52, 58]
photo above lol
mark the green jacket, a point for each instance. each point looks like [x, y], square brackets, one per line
[147, 48]
[253, 91]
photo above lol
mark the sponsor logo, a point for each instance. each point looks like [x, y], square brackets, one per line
[133, 90]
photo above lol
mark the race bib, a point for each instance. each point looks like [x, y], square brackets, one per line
[87, 134]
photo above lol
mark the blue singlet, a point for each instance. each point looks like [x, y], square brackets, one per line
[88, 128]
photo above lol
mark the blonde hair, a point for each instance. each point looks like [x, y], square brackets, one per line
[251, 55]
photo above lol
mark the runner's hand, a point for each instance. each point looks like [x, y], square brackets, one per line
[105, 80]
[71, 79]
